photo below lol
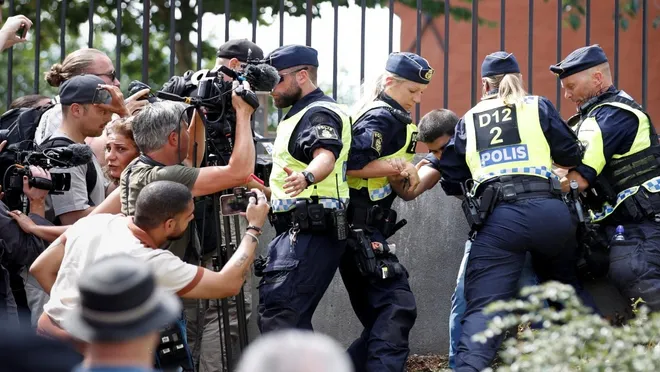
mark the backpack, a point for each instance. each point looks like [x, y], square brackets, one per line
[20, 124]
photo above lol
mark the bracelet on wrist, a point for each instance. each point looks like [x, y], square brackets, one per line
[255, 228]
[247, 233]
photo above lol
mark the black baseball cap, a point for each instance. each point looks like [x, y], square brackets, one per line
[241, 49]
[79, 89]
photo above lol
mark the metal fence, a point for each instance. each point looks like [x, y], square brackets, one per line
[424, 23]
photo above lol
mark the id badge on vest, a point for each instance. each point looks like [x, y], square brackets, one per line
[497, 136]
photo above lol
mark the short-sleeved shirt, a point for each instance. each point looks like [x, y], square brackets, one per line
[76, 198]
[307, 137]
[564, 147]
[140, 174]
[95, 237]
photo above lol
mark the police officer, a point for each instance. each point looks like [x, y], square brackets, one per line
[620, 171]
[309, 193]
[383, 135]
[506, 145]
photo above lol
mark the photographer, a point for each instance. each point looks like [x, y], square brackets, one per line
[163, 211]
[18, 249]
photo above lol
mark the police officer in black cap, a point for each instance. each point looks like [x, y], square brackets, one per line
[309, 193]
[620, 171]
[506, 145]
[384, 141]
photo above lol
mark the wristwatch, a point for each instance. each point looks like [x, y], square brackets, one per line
[309, 177]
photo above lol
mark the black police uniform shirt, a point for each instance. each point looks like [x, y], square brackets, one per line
[564, 148]
[618, 129]
[377, 134]
[318, 128]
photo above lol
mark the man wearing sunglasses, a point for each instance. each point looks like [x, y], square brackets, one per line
[309, 193]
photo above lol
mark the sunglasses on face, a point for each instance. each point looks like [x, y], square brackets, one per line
[112, 75]
[284, 74]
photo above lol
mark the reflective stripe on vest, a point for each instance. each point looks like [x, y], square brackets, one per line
[379, 188]
[506, 140]
[642, 142]
[329, 190]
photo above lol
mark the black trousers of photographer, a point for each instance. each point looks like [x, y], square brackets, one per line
[298, 272]
[387, 310]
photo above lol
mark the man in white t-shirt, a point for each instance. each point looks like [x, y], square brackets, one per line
[163, 211]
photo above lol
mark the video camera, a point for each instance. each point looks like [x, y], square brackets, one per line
[21, 159]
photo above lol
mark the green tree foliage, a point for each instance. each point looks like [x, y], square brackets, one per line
[573, 338]
[105, 13]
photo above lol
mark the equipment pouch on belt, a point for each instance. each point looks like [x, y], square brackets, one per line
[373, 260]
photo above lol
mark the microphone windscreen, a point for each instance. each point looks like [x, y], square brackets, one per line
[80, 154]
[262, 77]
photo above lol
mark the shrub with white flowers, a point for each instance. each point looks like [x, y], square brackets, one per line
[571, 339]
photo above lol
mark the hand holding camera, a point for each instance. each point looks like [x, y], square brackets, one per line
[243, 99]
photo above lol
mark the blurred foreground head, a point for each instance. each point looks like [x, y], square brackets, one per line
[295, 351]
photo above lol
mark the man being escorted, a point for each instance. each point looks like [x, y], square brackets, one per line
[620, 171]
[308, 194]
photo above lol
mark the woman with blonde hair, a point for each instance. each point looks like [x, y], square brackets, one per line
[379, 166]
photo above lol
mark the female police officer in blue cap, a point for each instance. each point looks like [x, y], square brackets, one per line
[503, 152]
[384, 140]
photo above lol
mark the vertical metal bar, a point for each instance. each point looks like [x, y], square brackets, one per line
[503, 23]
[473, 56]
[616, 42]
[37, 46]
[391, 33]
[279, 111]
[227, 19]
[90, 40]
[200, 12]
[172, 36]
[10, 62]
[362, 38]
[560, 14]
[308, 26]
[587, 17]
[445, 78]
[118, 45]
[254, 21]
[335, 4]
[146, 17]
[418, 47]
[645, 51]
[63, 30]
[530, 47]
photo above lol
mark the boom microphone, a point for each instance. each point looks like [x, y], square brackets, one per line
[262, 77]
[70, 156]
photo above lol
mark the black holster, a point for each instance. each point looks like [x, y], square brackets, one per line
[372, 263]
[312, 218]
[377, 217]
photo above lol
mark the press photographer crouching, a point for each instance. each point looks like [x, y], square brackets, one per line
[163, 210]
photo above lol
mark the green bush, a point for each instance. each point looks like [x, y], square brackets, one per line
[572, 339]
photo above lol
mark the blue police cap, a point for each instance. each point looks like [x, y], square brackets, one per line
[410, 66]
[79, 89]
[499, 63]
[579, 60]
[292, 55]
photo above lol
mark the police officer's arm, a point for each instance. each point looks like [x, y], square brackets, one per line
[47, 265]
[319, 145]
[452, 165]
[565, 148]
[241, 163]
[196, 135]
[428, 177]
[229, 281]
[608, 132]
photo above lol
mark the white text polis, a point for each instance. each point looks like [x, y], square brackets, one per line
[505, 154]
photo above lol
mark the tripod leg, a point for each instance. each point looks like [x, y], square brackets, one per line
[240, 298]
[218, 263]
